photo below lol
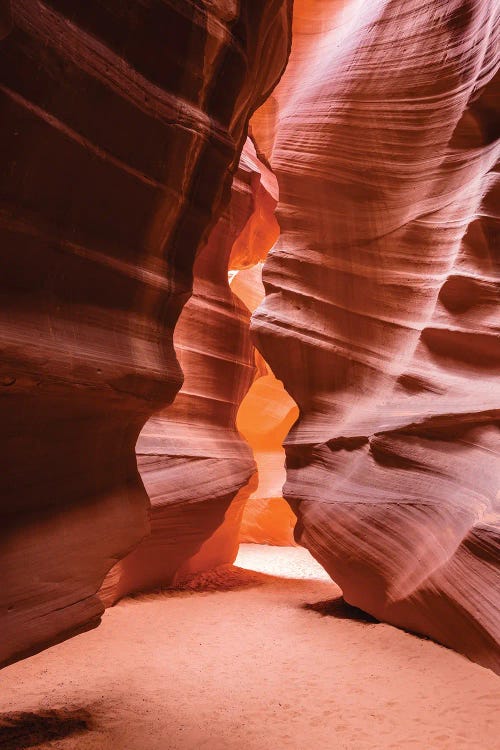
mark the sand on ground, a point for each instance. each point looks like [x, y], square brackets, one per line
[259, 660]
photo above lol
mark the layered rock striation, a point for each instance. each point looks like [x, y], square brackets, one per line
[121, 127]
[381, 315]
[193, 461]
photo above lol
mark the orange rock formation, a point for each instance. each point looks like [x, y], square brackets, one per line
[265, 416]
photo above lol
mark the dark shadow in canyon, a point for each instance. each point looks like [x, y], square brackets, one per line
[24, 729]
[339, 608]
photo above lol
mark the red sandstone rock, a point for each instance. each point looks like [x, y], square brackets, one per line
[121, 125]
[193, 461]
[190, 455]
[381, 315]
[5, 18]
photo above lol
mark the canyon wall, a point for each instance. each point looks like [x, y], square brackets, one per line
[122, 124]
[381, 315]
[194, 464]
[122, 128]
[264, 418]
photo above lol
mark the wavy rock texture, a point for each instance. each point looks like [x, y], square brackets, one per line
[191, 457]
[264, 418]
[381, 315]
[121, 124]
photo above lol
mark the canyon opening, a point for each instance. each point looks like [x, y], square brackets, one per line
[250, 374]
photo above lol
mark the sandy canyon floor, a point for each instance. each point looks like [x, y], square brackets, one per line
[260, 656]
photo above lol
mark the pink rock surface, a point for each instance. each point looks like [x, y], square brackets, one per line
[122, 124]
[382, 316]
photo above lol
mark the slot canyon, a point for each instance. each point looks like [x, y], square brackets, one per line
[250, 374]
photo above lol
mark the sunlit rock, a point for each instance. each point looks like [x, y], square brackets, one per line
[382, 316]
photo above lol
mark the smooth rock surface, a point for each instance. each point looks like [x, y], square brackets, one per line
[382, 307]
[122, 124]
[264, 418]
[194, 463]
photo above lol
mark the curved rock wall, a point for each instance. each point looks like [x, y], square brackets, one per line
[121, 124]
[191, 458]
[264, 418]
[381, 315]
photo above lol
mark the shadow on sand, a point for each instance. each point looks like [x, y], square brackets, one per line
[24, 729]
[339, 608]
[222, 578]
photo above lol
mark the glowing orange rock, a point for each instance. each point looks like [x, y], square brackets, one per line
[265, 416]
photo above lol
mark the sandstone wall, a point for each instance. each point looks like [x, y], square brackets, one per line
[121, 126]
[382, 316]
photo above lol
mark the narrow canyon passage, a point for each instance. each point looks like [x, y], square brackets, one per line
[249, 375]
[251, 658]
